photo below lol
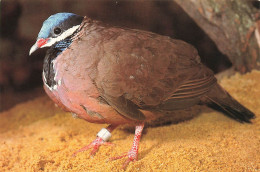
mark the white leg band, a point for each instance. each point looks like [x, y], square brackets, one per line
[104, 134]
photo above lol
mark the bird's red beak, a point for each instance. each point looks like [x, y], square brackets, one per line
[39, 43]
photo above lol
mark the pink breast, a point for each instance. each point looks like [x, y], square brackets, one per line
[77, 100]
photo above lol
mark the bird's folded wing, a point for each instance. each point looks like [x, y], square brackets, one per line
[194, 88]
[125, 107]
[188, 93]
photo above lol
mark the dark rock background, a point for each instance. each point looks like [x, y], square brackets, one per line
[21, 21]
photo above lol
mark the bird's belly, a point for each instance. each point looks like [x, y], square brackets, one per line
[83, 101]
[88, 108]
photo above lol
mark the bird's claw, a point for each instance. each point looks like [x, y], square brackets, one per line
[95, 145]
[118, 157]
[132, 156]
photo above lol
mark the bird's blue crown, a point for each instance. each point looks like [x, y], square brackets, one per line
[51, 22]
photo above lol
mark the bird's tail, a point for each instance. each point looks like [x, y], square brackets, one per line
[218, 99]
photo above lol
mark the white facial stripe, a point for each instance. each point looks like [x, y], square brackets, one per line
[61, 37]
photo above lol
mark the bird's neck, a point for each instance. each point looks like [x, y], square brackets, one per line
[54, 51]
[62, 45]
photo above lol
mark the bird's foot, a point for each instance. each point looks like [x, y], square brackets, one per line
[132, 156]
[133, 153]
[94, 145]
[102, 137]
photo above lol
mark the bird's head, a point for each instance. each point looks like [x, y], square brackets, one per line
[56, 28]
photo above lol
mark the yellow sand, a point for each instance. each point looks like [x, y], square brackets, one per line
[37, 136]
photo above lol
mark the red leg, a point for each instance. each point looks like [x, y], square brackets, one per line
[98, 141]
[133, 153]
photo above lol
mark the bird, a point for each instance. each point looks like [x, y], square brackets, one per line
[115, 75]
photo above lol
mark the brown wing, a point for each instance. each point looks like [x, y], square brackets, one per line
[140, 69]
[194, 88]
[189, 92]
[125, 107]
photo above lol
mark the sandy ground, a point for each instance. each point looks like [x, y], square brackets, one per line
[36, 136]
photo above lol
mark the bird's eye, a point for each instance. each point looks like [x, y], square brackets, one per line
[57, 31]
